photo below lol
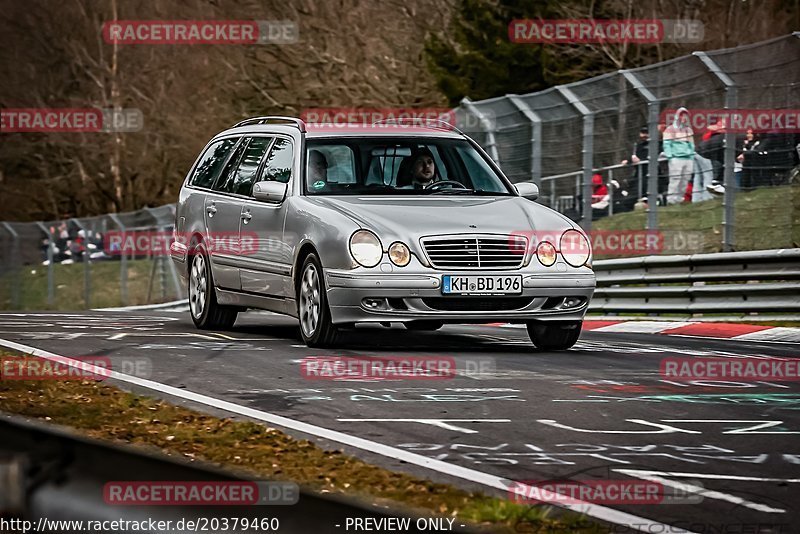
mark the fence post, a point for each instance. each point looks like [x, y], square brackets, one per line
[728, 199]
[587, 152]
[611, 192]
[491, 143]
[50, 273]
[16, 264]
[123, 264]
[536, 137]
[653, 105]
[87, 277]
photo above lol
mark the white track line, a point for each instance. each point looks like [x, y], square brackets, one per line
[599, 512]
[699, 490]
[175, 305]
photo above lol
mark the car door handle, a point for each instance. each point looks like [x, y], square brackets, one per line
[246, 217]
[211, 209]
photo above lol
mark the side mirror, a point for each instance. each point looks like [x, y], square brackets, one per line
[528, 190]
[269, 191]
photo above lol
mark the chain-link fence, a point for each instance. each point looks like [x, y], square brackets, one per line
[603, 151]
[118, 259]
[608, 152]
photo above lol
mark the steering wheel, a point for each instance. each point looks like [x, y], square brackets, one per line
[435, 186]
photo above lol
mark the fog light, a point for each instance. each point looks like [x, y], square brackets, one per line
[573, 302]
[375, 304]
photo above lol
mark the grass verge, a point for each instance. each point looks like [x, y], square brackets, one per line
[254, 450]
[764, 218]
[69, 282]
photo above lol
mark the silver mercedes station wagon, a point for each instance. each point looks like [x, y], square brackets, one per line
[345, 225]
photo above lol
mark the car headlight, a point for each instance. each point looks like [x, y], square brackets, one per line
[546, 253]
[365, 247]
[399, 254]
[575, 248]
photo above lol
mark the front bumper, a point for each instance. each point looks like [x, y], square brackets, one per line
[408, 297]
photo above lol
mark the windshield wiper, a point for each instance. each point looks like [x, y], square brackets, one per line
[452, 191]
[476, 192]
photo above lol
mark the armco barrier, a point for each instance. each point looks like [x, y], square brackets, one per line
[752, 285]
[49, 472]
[757, 282]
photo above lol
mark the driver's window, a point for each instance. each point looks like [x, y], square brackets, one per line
[278, 166]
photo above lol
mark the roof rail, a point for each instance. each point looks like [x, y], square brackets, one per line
[420, 121]
[273, 120]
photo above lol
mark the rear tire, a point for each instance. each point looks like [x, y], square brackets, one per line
[312, 306]
[206, 313]
[426, 325]
[554, 335]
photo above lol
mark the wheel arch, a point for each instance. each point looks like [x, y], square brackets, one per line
[305, 249]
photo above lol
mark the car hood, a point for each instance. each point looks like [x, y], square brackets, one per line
[412, 218]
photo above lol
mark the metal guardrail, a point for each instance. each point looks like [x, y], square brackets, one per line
[763, 282]
[50, 472]
[757, 282]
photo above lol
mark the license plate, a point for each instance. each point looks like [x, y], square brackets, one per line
[481, 285]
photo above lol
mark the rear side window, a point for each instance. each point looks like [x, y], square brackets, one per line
[211, 162]
[278, 167]
[240, 180]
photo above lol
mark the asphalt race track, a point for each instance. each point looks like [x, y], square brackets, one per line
[598, 411]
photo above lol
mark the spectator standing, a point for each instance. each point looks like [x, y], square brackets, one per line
[679, 150]
[750, 143]
[600, 197]
[626, 199]
[712, 147]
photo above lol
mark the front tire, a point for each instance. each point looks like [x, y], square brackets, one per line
[312, 306]
[554, 335]
[206, 313]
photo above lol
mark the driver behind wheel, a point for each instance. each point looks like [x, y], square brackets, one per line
[418, 170]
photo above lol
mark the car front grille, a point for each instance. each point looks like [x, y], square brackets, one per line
[476, 252]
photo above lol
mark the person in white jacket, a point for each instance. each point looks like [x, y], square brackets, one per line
[679, 150]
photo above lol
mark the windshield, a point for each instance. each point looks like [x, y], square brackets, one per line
[401, 166]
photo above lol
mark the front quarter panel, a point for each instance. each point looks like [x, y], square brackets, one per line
[326, 229]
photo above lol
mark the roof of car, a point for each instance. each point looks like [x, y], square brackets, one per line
[381, 129]
[324, 130]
